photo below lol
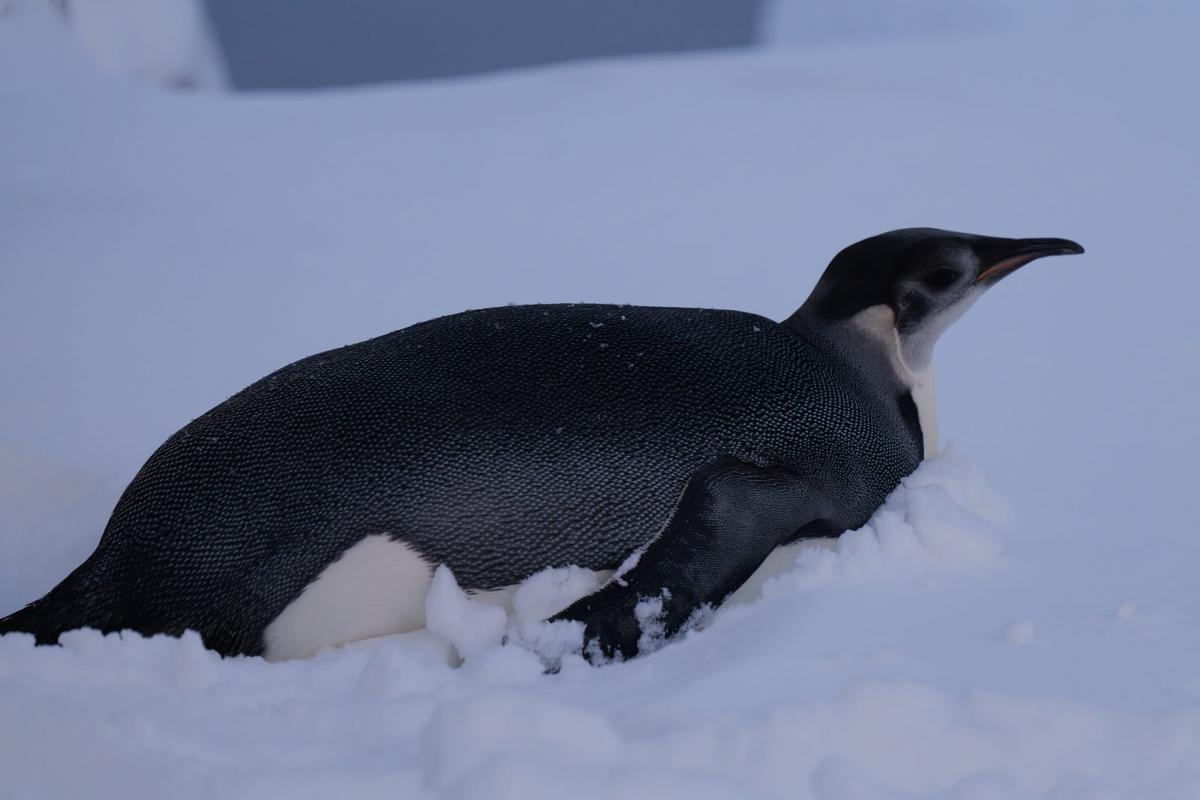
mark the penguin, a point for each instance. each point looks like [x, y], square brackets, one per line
[681, 445]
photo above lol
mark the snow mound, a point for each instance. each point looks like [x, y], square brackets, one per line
[163, 716]
[943, 516]
[164, 42]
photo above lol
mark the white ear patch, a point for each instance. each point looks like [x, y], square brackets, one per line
[879, 322]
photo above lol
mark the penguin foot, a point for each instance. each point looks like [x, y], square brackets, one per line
[632, 624]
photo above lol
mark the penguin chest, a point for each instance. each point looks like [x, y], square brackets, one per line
[879, 323]
[921, 388]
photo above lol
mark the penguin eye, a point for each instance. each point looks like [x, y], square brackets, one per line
[940, 278]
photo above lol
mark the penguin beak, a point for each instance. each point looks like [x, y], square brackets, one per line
[1019, 252]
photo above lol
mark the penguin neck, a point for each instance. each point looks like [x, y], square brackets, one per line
[872, 332]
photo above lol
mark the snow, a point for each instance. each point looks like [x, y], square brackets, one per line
[1019, 632]
[943, 516]
[469, 626]
[545, 593]
[161, 250]
[166, 42]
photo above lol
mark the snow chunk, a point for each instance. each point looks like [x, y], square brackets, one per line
[545, 593]
[551, 641]
[470, 626]
[542, 595]
[628, 564]
[649, 615]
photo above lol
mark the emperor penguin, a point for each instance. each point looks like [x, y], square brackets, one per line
[311, 508]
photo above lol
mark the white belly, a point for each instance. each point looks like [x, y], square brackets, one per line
[377, 587]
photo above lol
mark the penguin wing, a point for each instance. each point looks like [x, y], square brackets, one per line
[729, 518]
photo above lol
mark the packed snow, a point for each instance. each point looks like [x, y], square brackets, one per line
[1029, 636]
[165, 42]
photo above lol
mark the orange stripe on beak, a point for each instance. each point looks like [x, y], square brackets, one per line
[1006, 265]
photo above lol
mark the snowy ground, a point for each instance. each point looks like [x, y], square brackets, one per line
[158, 251]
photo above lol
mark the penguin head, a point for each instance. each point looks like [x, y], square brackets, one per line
[918, 281]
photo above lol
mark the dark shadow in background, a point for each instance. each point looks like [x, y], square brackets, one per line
[272, 44]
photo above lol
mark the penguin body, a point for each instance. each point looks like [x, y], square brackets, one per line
[311, 508]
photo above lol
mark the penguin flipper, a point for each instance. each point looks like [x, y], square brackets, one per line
[730, 517]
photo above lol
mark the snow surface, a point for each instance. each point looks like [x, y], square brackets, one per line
[166, 42]
[159, 251]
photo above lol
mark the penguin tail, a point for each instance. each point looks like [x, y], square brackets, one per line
[66, 607]
[27, 620]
